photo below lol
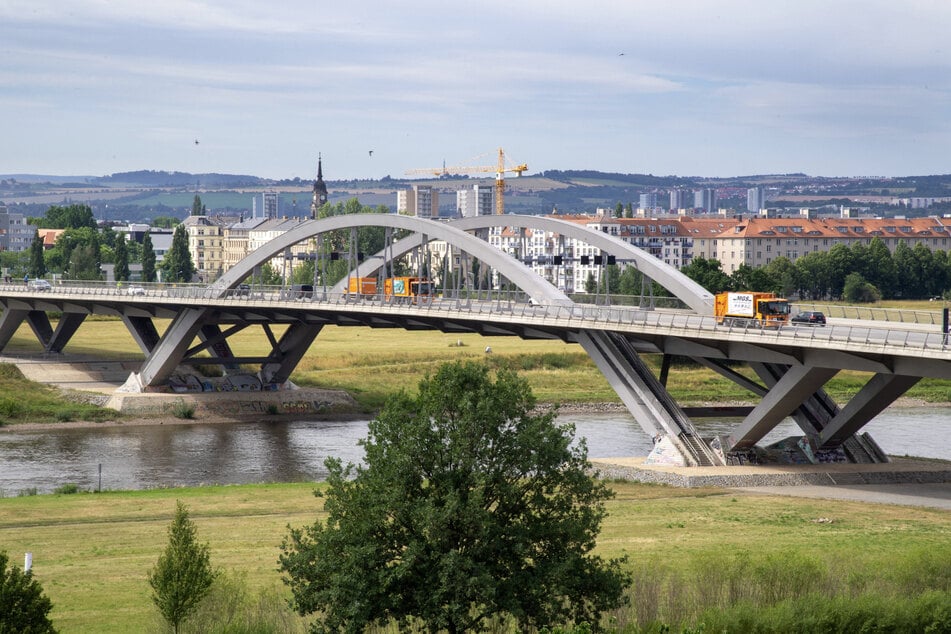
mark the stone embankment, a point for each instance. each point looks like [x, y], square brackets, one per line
[898, 471]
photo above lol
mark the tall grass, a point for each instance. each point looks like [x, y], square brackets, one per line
[772, 591]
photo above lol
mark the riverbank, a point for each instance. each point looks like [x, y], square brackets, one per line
[211, 416]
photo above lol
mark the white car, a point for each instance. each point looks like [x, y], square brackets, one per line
[136, 290]
[39, 285]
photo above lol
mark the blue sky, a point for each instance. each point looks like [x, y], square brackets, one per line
[686, 87]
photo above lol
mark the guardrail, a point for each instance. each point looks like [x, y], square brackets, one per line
[874, 313]
[515, 304]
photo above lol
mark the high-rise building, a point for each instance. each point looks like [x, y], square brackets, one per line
[477, 201]
[648, 200]
[421, 201]
[320, 191]
[678, 199]
[705, 199]
[755, 199]
[271, 204]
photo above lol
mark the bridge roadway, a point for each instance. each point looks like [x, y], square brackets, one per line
[793, 362]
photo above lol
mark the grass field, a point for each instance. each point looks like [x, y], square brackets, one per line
[92, 552]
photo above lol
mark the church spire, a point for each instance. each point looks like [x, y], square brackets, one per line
[320, 190]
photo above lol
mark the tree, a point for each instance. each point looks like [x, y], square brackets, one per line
[148, 259]
[121, 270]
[197, 207]
[23, 606]
[812, 270]
[906, 271]
[68, 217]
[590, 284]
[37, 260]
[858, 290]
[183, 574]
[470, 506]
[266, 275]
[178, 264]
[84, 263]
[708, 274]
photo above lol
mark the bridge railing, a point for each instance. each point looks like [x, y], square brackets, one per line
[874, 313]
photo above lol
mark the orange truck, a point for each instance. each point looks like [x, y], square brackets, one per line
[363, 285]
[751, 308]
[408, 287]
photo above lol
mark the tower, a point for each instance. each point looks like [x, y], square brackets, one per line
[320, 191]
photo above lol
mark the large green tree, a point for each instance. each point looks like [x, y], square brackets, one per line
[197, 208]
[708, 274]
[183, 574]
[471, 505]
[23, 606]
[84, 263]
[67, 217]
[178, 265]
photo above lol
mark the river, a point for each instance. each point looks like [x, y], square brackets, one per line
[141, 457]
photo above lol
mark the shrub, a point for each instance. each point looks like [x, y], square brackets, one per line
[183, 410]
[23, 606]
[67, 489]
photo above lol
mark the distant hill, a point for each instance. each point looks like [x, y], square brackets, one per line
[153, 178]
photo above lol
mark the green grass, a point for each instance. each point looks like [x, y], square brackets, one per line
[687, 548]
[44, 404]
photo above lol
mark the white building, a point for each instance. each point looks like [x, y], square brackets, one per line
[421, 201]
[477, 201]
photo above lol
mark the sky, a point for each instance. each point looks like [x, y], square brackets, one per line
[663, 87]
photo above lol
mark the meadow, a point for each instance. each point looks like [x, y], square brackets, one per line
[693, 553]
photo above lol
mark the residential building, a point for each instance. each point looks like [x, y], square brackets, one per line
[206, 245]
[270, 205]
[284, 262]
[755, 199]
[705, 199]
[477, 201]
[648, 200]
[420, 200]
[16, 234]
[678, 200]
[236, 240]
[758, 241]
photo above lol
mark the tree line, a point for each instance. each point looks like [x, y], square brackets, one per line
[856, 273]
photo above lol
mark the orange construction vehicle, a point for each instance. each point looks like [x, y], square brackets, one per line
[751, 308]
[363, 285]
[408, 287]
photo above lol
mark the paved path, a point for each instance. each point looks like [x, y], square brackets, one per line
[935, 495]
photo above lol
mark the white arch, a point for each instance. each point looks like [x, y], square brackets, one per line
[521, 275]
[684, 288]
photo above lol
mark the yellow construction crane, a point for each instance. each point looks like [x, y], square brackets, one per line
[500, 171]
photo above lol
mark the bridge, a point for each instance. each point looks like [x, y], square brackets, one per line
[791, 364]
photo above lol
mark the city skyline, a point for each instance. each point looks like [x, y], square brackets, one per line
[684, 87]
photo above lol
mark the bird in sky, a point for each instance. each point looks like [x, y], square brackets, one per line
[196, 141]
[371, 152]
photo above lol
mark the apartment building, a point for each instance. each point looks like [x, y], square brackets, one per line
[268, 230]
[206, 244]
[16, 234]
[758, 241]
